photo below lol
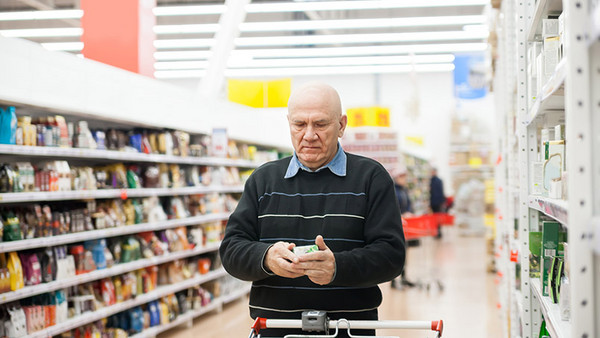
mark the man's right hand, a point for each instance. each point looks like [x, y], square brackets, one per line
[279, 260]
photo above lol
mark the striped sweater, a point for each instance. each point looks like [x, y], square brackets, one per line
[357, 215]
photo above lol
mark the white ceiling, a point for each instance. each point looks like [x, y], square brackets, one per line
[310, 40]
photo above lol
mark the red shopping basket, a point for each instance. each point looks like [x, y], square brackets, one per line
[420, 226]
[444, 218]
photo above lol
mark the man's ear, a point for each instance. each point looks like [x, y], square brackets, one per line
[343, 123]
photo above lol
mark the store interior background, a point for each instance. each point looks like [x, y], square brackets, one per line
[422, 105]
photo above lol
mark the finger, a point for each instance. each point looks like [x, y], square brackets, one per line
[320, 242]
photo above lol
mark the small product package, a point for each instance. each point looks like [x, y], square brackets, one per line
[303, 250]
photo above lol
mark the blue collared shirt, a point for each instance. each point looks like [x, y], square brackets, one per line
[337, 165]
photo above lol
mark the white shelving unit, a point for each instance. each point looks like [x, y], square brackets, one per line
[43, 242]
[123, 156]
[187, 317]
[19, 197]
[41, 82]
[108, 311]
[571, 95]
[115, 270]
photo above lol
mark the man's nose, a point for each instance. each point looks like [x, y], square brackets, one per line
[310, 134]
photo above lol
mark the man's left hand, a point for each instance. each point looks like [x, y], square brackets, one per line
[319, 266]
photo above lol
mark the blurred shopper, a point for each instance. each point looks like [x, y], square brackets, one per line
[437, 198]
[402, 194]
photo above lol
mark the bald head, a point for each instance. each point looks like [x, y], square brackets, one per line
[316, 94]
[316, 122]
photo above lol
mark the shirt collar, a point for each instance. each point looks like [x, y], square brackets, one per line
[337, 165]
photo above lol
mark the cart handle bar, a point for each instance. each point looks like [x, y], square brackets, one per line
[434, 325]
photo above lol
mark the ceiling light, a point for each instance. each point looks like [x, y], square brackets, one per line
[189, 10]
[279, 72]
[341, 70]
[271, 7]
[296, 40]
[280, 26]
[357, 5]
[182, 55]
[342, 61]
[363, 50]
[186, 29]
[42, 15]
[41, 32]
[64, 46]
[183, 43]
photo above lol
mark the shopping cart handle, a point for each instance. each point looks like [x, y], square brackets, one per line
[259, 324]
[437, 325]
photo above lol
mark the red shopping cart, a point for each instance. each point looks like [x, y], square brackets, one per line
[317, 321]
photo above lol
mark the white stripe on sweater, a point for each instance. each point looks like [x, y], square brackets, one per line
[313, 216]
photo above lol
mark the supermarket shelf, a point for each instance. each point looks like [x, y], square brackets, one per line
[113, 155]
[118, 269]
[159, 292]
[17, 197]
[110, 232]
[552, 95]
[182, 319]
[236, 295]
[188, 316]
[556, 327]
[555, 208]
[375, 154]
[542, 9]
[383, 142]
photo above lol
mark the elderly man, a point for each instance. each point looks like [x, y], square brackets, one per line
[343, 203]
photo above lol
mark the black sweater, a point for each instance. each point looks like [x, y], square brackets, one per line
[357, 215]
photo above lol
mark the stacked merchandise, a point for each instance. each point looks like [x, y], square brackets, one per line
[112, 231]
[378, 143]
[417, 181]
[28, 270]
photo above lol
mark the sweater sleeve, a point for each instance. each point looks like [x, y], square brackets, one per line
[382, 257]
[241, 251]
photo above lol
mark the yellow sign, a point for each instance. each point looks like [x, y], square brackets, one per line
[259, 94]
[368, 116]
[415, 140]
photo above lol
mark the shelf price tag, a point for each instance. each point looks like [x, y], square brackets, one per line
[514, 254]
[123, 194]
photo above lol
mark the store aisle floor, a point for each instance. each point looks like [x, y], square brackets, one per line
[467, 303]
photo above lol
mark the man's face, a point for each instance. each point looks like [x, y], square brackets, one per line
[315, 130]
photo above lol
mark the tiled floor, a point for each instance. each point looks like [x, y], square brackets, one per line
[466, 304]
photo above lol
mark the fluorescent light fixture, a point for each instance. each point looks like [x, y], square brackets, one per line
[182, 55]
[64, 46]
[170, 65]
[363, 50]
[361, 23]
[342, 61]
[189, 10]
[183, 43]
[42, 15]
[303, 25]
[41, 32]
[296, 40]
[278, 72]
[272, 7]
[310, 62]
[269, 7]
[187, 29]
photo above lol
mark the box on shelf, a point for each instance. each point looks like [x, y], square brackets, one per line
[550, 240]
[550, 28]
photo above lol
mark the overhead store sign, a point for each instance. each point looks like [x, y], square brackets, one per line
[260, 94]
[470, 76]
[368, 116]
